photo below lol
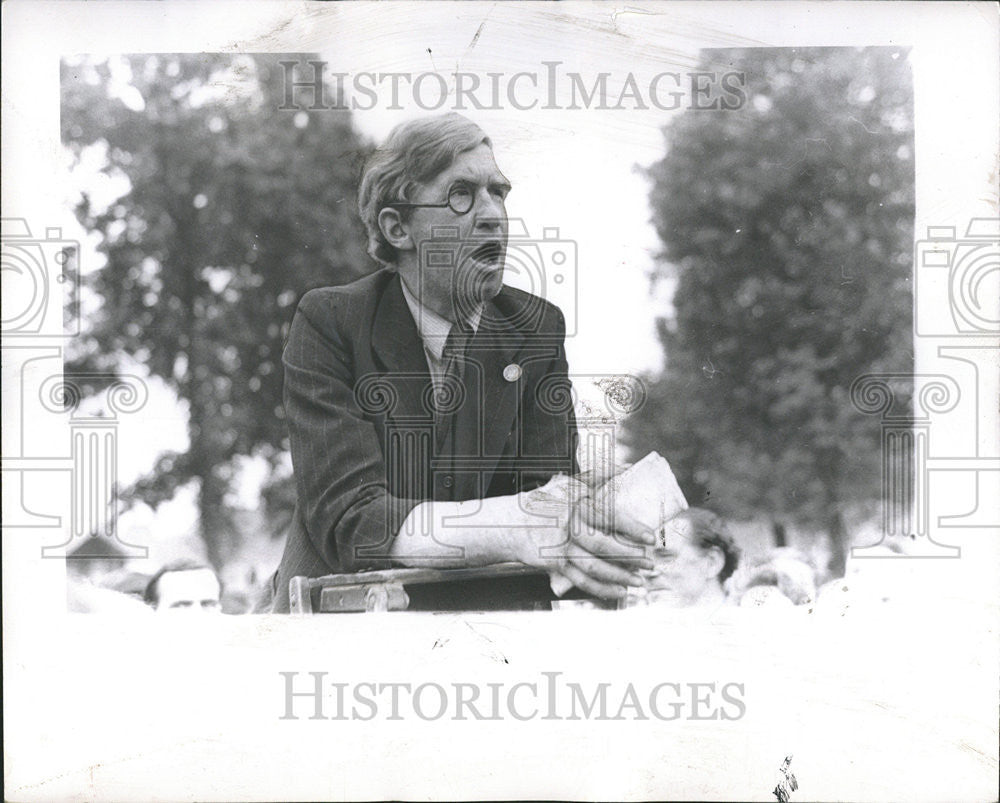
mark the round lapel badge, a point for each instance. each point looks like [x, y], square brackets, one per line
[512, 372]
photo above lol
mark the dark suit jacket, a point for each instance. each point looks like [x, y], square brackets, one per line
[364, 446]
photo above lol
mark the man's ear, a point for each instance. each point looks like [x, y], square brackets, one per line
[714, 561]
[394, 229]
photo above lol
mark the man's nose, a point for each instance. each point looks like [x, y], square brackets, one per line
[491, 215]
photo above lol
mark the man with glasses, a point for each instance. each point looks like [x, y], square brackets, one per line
[428, 404]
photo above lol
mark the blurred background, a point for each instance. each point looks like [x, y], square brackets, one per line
[770, 267]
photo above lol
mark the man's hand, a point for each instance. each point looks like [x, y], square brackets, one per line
[600, 563]
[541, 528]
[616, 521]
[595, 562]
[632, 506]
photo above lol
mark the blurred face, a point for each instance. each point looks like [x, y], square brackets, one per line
[684, 572]
[458, 259]
[194, 591]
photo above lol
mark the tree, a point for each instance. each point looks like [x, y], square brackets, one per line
[234, 209]
[788, 227]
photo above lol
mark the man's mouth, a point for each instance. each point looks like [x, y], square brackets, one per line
[489, 254]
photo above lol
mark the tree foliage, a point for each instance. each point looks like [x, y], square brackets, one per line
[788, 228]
[234, 209]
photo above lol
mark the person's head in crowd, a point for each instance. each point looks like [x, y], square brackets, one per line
[785, 571]
[185, 587]
[433, 203]
[83, 596]
[694, 556]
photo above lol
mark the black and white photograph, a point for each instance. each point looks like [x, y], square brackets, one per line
[494, 400]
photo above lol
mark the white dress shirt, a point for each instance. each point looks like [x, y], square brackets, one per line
[434, 331]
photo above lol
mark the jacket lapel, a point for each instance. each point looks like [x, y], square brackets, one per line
[398, 347]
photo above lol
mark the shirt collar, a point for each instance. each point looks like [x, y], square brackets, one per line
[432, 327]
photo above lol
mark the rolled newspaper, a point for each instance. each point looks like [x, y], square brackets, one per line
[643, 497]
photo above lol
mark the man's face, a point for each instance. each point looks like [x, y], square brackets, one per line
[460, 258]
[683, 571]
[192, 591]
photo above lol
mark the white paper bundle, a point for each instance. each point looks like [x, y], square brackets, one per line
[645, 494]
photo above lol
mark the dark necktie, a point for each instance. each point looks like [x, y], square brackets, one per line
[454, 349]
[450, 393]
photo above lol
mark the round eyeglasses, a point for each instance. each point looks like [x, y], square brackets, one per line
[460, 201]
